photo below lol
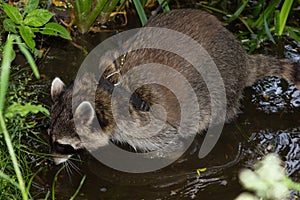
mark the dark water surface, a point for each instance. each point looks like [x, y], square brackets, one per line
[269, 121]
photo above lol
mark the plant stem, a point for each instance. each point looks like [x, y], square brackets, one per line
[87, 22]
[54, 181]
[78, 189]
[13, 157]
[140, 11]
[5, 68]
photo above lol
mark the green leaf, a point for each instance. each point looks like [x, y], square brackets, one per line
[38, 17]
[56, 30]
[276, 21]
[13, 13]
[140, 11]
[27, 35]
[90, 19]
[28, 57]
[293, 34]
[9, 179]
[266, 13]
[165, 6]
[83, 8]
[284, 13]
[23, 110]
[268, 32]
[31, 5]
[9, 25]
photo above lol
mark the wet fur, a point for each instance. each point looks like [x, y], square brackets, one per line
[238, 70]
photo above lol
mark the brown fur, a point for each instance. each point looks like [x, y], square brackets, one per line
[237, 69]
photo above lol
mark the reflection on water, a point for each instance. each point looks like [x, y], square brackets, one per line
[273, 95]
[284, 142]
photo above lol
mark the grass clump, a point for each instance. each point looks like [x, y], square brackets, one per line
[262, 20]
[15, 124]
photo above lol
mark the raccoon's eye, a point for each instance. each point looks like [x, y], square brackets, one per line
[64, 148]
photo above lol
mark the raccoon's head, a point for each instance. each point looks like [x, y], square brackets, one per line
[64, 139]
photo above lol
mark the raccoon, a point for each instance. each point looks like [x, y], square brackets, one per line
[237, 69]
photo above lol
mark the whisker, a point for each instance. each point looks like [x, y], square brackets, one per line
[75, 167]
[68, 170]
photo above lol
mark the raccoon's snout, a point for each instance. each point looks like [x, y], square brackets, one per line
[62, 152]
[58, 159]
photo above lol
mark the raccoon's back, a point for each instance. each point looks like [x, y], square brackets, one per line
[225, 51]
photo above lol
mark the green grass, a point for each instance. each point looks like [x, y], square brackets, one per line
[21, 115]
[263, 21]
[5, 70]
[18, 113]
[16, 166]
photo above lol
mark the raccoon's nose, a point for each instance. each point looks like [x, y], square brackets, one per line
[64, 149]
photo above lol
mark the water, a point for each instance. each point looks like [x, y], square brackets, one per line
[268, 122]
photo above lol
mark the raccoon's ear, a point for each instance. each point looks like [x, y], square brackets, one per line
[85, 113]
[57, 88]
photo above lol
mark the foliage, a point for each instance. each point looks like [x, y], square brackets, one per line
[18, 121]
[5, 127]
[31, 21]
[267, 181]
[263, 20]
[140, 4]
[87, 12]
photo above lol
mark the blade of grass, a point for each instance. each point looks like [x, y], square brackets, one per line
[82, 8]
[122, 3]
[47, 195]
[110, 7]
[225, 13]
[140, 11]
[276, 21]
[164, 5]
[54, 181]
[84, 23]
[270, 9]
[293, 34]
[5, 69]
[238, 12]
[79, 187]
[28, 57]
[247, 25]
[31, 179]
[268, 30]
[212, 8]
[13, 157]
[8, 179]
[284, 13]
